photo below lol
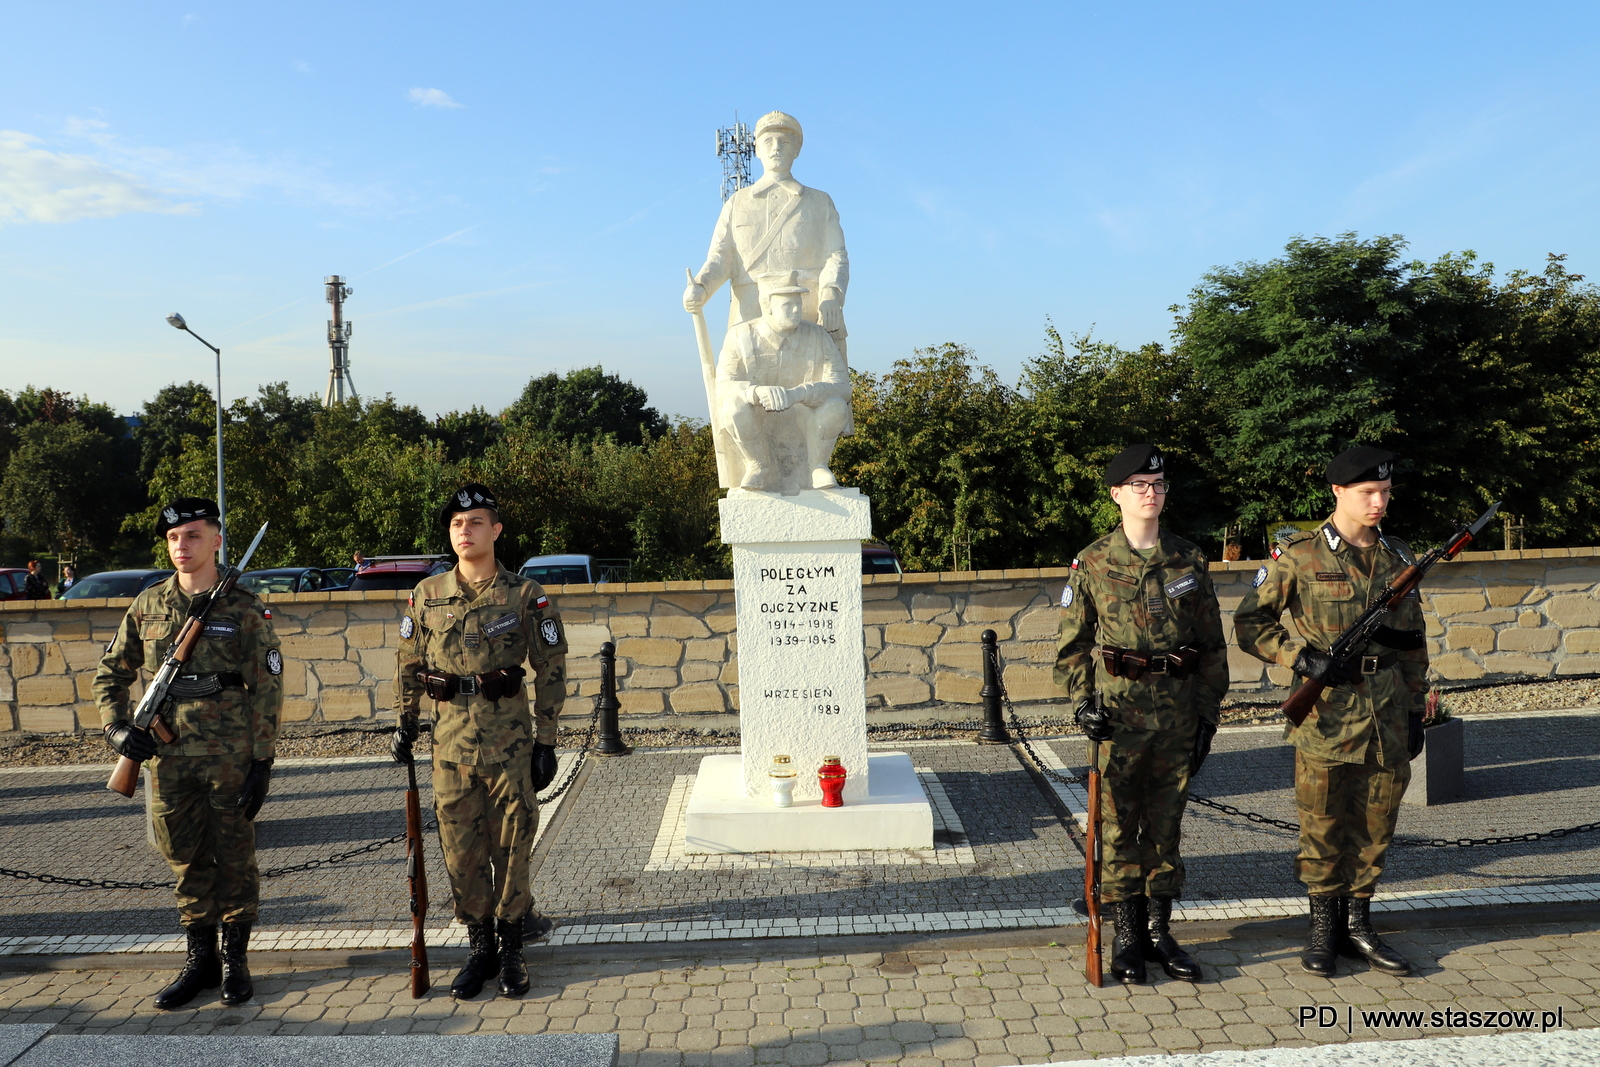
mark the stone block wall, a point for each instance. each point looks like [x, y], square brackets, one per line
[1490, 615]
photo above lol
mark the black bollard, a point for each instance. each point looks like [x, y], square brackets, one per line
[994, 727]
[610, 734]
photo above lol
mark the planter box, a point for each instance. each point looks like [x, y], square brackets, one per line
[1438, 775]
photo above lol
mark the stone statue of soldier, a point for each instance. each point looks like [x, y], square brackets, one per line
[783, 393]
[775, 224]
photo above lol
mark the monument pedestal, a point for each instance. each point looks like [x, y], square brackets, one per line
[802, 686]
[721, 818]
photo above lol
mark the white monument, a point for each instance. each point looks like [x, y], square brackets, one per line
[779, 396]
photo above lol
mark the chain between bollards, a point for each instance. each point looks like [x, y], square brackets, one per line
[607, 706]
[994, 726]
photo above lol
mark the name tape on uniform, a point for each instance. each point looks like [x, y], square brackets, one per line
[502, 624]
[1179, 586]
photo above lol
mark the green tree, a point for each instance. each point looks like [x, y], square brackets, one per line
[67, 485]
[935, 448]
[466, 433]
[585, 405]
[176, 412]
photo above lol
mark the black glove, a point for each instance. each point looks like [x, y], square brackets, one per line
[1202, 746]
[544, 765]
[1414, 734]
[1094, 720]
[254, 792]
[1324, 668]
[128, 740]
[400, 744]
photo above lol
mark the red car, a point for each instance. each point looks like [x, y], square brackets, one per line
[13, 582]
[396, 572]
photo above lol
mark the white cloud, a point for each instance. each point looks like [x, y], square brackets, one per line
[431, 98]
[38, 185]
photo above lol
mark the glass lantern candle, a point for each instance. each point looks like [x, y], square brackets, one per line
[782, 775]
[830, 776]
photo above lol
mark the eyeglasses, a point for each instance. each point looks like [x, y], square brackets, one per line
[1145, 488]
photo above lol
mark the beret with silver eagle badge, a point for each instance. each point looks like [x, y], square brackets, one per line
[469, 497]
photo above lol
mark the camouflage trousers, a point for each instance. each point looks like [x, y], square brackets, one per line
[1144, 785]
[209, 845]
[487, 819]
[1347, 816]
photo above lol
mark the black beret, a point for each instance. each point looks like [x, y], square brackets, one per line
[1135, 459]
[186, 509]
[1363, 463]
[469, 497]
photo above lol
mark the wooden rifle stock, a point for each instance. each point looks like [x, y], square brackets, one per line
[1091, 872]
[417, 875]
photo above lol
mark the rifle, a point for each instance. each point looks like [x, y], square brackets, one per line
[1356, 636]
[157, 699]
[417, 875]
[708, 373]
[1091, 871]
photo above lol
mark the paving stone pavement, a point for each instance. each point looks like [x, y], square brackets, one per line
[981, 1000]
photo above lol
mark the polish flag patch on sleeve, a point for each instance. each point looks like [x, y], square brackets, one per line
[541, 602]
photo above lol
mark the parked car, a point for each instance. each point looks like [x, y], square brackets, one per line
[562, 570]
[284, 580]
[879, 559]
[114, 584]
[397, 572]
[13, 583]
[338, 577]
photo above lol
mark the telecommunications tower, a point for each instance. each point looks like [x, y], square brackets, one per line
[338, 344]
[736, 146]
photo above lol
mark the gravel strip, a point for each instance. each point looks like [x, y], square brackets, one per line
[314, 740]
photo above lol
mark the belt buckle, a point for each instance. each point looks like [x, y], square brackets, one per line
[1158, 663]
[468, 685]
[1369, 664]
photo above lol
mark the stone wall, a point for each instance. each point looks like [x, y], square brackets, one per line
[1491, 615]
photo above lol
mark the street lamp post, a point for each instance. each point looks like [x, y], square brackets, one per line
[176, 321]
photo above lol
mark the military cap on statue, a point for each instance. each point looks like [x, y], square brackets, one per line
[777, 120]
[186, 509]
[469, 497]
[1362, 463]
[773, 282]
[1135, 459]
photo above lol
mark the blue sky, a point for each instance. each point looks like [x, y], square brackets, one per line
[517, 188]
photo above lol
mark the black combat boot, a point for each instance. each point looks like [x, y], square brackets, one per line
[236, 985]
[201, 970]
[1127, 966]
[1320, 958]
[1365, 940]
[483, 961]
[513, 971]
[1344, 946]
[536, 927]
[1163, 949]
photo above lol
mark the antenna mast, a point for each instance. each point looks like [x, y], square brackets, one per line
[338, 344]
[736, 147]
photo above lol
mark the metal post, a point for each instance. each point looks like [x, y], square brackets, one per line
[610, 734]
[994, 727]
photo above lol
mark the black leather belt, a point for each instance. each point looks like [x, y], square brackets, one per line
[493, 686]
[1132, 664]
[199, 686]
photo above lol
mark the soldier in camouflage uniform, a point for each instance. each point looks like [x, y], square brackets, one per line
[207, 786]
[463, 640]
[1353, 751]
[1144, 597]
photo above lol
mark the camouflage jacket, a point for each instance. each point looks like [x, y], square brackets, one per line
[1319, 580]
[1117, 598]
[238, 638]
[450, 627]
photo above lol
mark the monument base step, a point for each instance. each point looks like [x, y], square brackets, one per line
[894, 814]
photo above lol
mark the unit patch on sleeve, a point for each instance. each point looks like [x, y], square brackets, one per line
[550, 632]
[407, 628]
[1066, 596]
[274, 661]
[1179, 586]
[1261, 576]
[502, 624]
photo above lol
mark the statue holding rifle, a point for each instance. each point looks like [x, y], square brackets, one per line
[776, 238]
